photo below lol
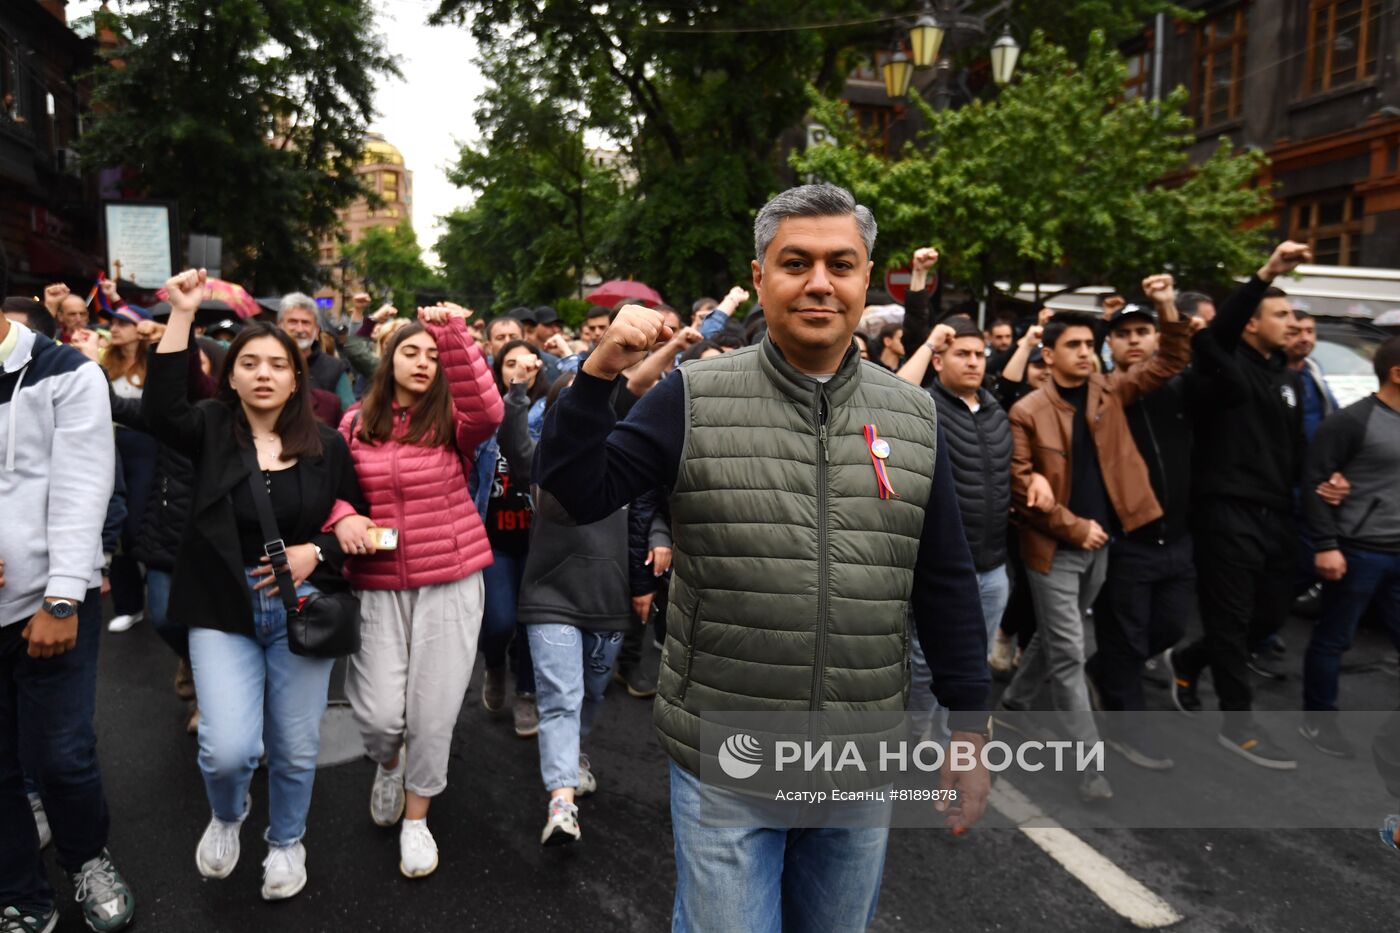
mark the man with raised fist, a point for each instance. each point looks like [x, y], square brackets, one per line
[809, 499]
[1247, 460]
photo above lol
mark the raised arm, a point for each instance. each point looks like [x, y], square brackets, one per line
[916, 312]
[649, 372]
[1173, 352]
[714, 322]
[475, 402]
[593, 464]
[1236, 310]
[165, 402]
[915, 368]
[514, 436]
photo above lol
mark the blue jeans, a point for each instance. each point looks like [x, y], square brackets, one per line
[498, 625]
[759, 880]
[1369, 573]
[173, 634]
[236, 677]
[994, 586]
[46, 709]
[572, 667]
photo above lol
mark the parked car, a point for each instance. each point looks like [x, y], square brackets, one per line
[1345, 350]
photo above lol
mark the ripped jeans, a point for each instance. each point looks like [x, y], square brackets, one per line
[572, 667]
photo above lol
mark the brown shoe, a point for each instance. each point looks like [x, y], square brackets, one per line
[192, 720]
[184, 681]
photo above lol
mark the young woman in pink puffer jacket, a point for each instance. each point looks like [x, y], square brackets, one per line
[430, 403]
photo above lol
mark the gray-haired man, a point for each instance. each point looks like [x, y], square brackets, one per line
[793, 564]
[301, 319]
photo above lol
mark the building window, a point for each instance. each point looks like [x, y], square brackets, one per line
[1219, 68]
[390, 185]
[875, 122]
[1331, 224]
[1343, 36]
[1138, 81]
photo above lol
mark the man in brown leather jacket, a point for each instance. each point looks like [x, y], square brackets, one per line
[1074, 432]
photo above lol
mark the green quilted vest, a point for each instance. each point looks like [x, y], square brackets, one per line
[791, 575]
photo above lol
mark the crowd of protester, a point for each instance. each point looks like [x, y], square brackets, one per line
[1158, 481]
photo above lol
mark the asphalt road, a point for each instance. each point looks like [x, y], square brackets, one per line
[495, 876]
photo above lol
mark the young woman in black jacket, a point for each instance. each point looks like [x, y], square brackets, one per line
[224, 586]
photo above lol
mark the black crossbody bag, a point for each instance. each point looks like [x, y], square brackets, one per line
[324, 625]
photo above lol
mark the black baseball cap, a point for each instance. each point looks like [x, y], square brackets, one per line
[523, 315]
[1130, 312]
[544, 314]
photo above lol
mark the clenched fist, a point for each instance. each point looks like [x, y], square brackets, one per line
[1286, 257]
[925, 258]
[150, 331]
[627, 341]
[1160, 289]
[54, 295]
[185, 291]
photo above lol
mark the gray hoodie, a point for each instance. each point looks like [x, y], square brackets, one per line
[57, 468]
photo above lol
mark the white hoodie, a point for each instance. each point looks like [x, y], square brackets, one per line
[57, 469]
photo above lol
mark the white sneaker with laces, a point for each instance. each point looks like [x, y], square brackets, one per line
[587, 783]
[562, 827]
[41, 821]
[219, 848]
[386, 797]
[418, 852]
[284, 872]
[122, 623]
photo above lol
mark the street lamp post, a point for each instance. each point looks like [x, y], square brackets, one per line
[1005, 51]
[898, 72]
[926, 37]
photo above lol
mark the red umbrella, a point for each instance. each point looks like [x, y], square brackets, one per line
[235, 296]
[614, 290]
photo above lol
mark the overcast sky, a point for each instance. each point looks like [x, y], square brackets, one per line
[428, 112]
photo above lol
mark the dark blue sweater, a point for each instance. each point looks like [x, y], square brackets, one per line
[594, 464]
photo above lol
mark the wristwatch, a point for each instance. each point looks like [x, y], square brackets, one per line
[61, 608]
[320, 557]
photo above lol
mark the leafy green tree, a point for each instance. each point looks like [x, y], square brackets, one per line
[249, 113]
[1071, 25]
[543, 203]
[699, 116]
[704, 99]
[1056, 177]
[390, 258]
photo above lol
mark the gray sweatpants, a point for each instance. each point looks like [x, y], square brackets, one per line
[1062, 600]
[407, 682]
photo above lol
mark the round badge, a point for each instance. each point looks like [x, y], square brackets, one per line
[880, 448]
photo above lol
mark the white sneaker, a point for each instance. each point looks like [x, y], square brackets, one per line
[41, 821]
[122, 623]
[587, 783]
[284, 872]
[386, 798]
[1003, 653]
[562, 827]
[418, 852]
[219, 849]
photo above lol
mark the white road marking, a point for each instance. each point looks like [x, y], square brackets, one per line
[1123, 894]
